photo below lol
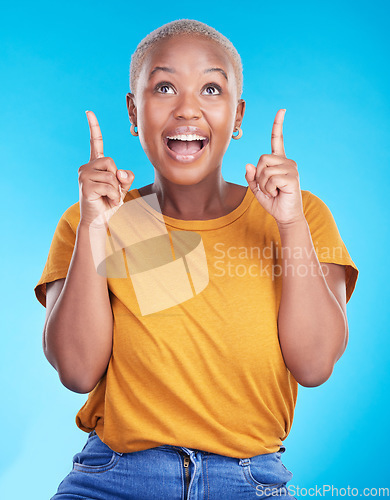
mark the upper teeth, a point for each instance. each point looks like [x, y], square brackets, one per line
[189, 137]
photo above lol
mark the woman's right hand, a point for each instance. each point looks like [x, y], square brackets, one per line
[102, 186]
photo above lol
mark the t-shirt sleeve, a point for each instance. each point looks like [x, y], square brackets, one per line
[326, 239]
[60, 252]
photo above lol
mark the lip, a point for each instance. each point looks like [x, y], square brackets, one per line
[188, 129]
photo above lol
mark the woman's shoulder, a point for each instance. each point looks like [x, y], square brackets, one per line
[236, 196]
[144, 190]
[71, 216]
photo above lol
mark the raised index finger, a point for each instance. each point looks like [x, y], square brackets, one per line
[96, 136]
[277, 144]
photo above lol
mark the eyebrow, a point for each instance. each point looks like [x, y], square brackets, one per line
[161, 68]
[217, 69]
[171, 70]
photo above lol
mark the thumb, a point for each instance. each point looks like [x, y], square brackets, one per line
[250, 176]
[125, 178]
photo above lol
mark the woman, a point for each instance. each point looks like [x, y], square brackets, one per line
[193, 319]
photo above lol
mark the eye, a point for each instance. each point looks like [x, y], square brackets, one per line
[164, 88]
[212, 89]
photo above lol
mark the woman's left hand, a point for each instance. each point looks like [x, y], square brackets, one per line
[275, 181]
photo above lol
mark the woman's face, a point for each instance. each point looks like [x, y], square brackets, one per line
[186, 107]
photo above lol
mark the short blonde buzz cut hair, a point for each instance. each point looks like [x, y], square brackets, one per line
[184, 27]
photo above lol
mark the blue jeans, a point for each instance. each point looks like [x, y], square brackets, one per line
[172, 473]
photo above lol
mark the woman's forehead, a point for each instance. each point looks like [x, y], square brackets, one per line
[196, 51]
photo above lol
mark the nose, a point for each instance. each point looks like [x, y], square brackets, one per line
[187, 107]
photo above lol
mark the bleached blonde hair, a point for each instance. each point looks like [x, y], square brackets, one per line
[184, 27]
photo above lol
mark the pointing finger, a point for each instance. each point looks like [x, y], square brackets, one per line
[277, 144]
[96, 136]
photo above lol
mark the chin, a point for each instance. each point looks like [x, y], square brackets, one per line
[184, 174]
[188, 178]
[184, 180]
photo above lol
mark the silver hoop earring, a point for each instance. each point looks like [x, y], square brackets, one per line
[133, 131]
[239, 135]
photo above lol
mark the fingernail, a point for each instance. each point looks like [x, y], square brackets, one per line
[87, 111]
[122, 174]
[266, 195]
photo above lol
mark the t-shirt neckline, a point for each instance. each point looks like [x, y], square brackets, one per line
[197, 224]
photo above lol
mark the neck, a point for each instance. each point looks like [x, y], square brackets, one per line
[206, 200]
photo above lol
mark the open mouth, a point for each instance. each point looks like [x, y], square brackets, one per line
[186, 147]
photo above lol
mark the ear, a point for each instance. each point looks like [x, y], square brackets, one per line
[239, 113]
[131, 108]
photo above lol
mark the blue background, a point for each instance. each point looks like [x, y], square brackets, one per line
[327, 64]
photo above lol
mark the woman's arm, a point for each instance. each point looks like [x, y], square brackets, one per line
[312, 321]
[77, 336]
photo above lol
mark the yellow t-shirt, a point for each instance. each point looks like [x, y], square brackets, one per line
[201, 367]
